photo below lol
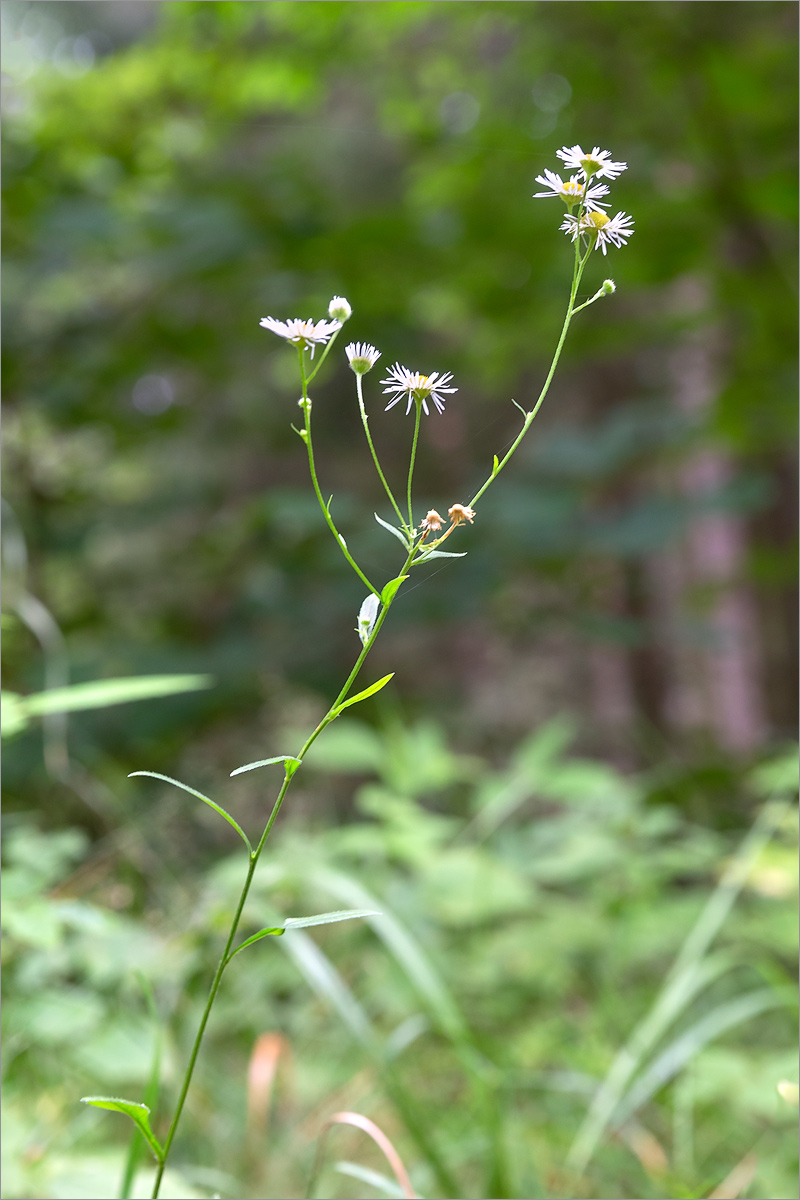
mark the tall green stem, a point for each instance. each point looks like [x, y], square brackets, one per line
[580, 263]
[411, 464]
[313, 469]
[373, 452]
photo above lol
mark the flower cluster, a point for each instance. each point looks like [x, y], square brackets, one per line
[598, 230]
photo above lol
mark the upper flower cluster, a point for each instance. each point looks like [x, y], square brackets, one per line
[578, 192]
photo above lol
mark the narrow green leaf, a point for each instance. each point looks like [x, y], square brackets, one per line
[370, 691]
[401, 537]
[104, 692]
[521, 409]
[495, 465]
[389, 592]
[328, 918]
[139, 1113]
[278, 931]
[441, 554]
[192, 792]
[267, 762]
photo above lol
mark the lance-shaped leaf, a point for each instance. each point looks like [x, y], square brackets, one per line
[328, 918]
[495, 465]
[441, 554]
[291, 764]
[390, 590]
[193, 792]
[401, 537]
[370, 691]
[138, 1113]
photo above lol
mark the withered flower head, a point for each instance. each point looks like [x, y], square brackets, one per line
[432, 523]
[461, 512]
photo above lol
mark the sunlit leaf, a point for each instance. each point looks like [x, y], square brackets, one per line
[103, 693]
[14, 714]
[17, 710]
[370, 691]
[138, 1113]
[193, 792]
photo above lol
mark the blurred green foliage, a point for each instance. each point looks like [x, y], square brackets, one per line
[172, 173]
[527, 919]
[243, 159]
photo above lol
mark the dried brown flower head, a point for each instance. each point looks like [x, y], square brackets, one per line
[461, 512]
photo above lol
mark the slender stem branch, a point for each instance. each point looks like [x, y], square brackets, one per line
[373, 452]
[312, 467]
[411, 463]
[580, 263]
[324, 355]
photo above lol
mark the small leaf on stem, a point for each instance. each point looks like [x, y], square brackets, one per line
[291, 764]
[138, 1113]
[389, 592]
[401, 537]
[370, 691]
[441, 554]
[193, 792]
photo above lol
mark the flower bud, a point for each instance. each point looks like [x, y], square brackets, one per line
[339, 309]
[608, 287]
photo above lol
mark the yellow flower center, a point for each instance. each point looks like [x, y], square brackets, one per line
[597, 219]
[572, 189]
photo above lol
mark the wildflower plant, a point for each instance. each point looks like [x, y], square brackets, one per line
[421, 537]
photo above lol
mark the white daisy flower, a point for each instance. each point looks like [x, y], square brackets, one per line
[606, 230]
[302, 333]
[362, 357]
[598, 162]
[416, 386]
[571, 190]
[340, 309]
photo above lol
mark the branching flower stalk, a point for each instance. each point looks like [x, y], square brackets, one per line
[589, 228]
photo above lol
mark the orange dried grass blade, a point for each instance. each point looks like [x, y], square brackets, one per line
[738, 1180]
[381, 1141]
[261, 1073]
[647, 1149]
